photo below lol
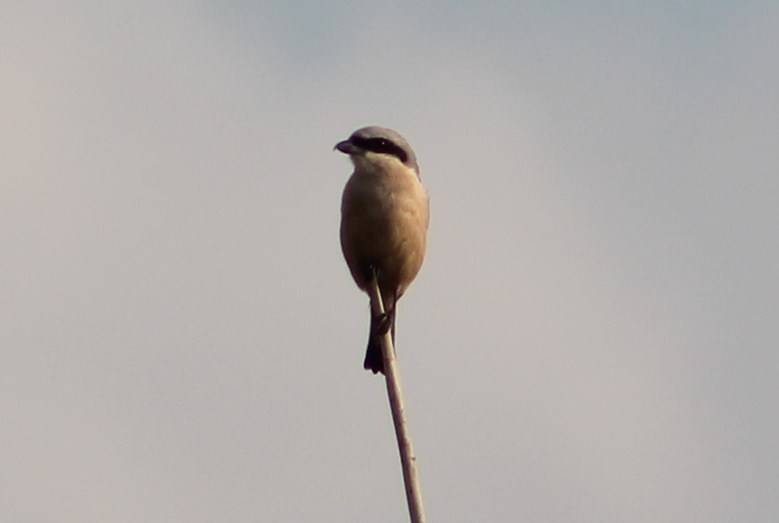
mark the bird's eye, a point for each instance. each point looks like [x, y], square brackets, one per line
[382, 145]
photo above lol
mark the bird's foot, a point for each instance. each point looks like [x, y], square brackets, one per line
[383, 322]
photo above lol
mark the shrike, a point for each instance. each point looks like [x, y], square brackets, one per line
[384, 218]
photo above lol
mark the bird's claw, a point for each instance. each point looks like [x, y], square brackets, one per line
[383, 322]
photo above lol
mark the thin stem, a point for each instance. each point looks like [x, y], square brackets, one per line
[407, 458]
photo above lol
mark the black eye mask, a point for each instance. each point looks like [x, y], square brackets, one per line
[380, 145]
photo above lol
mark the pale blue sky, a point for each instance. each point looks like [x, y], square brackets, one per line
[593, 337]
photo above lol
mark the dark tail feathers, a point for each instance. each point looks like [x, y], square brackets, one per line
[374, 359]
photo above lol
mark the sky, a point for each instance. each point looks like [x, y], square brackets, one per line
[593, 336]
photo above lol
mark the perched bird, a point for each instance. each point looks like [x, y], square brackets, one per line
[384, 219]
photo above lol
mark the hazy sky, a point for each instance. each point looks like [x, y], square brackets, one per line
[594, 336]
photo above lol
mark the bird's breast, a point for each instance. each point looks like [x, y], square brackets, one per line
[384, 218]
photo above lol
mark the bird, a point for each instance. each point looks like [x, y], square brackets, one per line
[385, 213]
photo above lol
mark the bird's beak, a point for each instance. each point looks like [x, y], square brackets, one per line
[346, 147]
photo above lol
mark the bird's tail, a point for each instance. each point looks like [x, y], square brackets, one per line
[374, 358]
